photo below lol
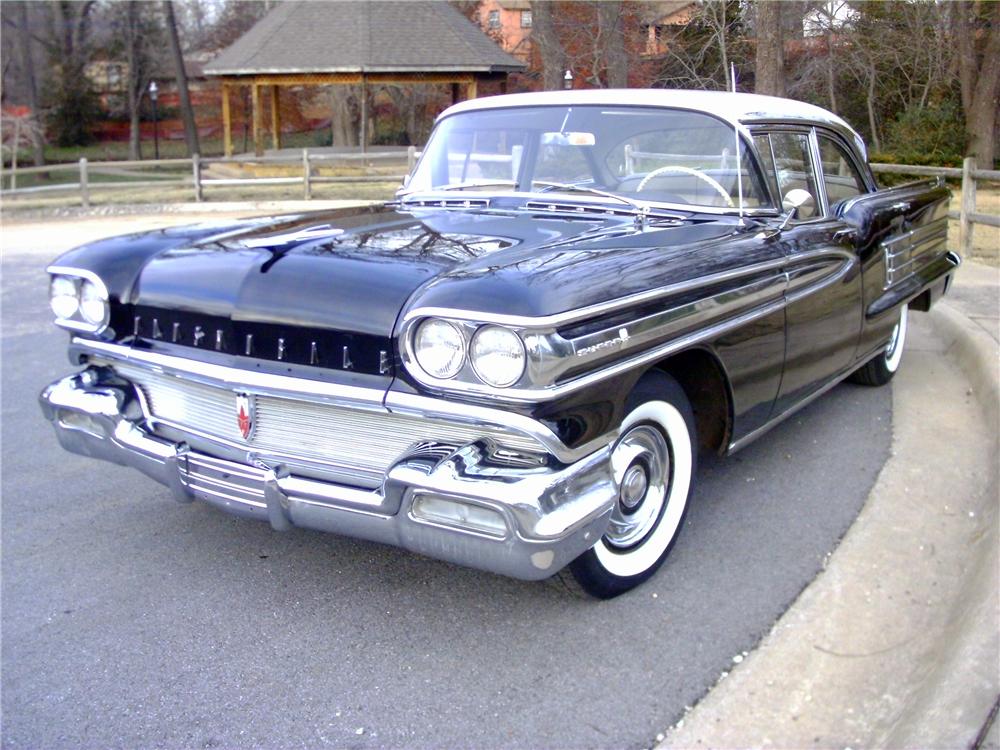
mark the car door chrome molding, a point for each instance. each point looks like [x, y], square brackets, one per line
[553, 359]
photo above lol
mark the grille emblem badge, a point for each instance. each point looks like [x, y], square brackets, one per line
[245, 414]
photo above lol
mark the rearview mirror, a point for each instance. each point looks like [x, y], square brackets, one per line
[797, 202]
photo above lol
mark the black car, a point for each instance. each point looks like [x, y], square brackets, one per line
[515, 364]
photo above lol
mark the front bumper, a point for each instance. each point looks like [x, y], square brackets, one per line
[461, 506]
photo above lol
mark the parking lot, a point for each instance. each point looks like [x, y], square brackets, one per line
[129, 620]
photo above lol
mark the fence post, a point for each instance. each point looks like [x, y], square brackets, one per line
[196, 171]
[306, 175]
[84, 187]
[411, 158]
[968, 205]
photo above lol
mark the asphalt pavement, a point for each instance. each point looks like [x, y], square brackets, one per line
[131, 621]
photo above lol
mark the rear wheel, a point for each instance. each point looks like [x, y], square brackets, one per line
[880, 369]
[653, 464]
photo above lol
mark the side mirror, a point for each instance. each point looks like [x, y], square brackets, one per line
[798, 201]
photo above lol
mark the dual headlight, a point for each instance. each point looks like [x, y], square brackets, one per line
[78, 303]
[496, 354]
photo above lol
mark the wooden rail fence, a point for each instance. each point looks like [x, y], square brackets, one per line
[197, 181]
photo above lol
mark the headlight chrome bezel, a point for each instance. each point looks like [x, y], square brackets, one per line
[88, 282]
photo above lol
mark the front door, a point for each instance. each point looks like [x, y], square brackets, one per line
[824, 298]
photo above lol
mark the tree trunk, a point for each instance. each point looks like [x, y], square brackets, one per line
[870, 104]
[981, 114]
[770, 63]
[612, 34]
[546, 41]
[28, 63]
[187, 112]
[135, 82]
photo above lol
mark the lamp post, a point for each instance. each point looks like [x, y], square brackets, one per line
[568, 80]
[153, 91]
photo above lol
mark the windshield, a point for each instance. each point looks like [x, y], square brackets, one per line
[643, 154]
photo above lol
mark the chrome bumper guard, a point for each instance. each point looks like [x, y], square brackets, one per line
[463, 507]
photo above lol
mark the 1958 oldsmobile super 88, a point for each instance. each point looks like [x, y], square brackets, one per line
[515, 364]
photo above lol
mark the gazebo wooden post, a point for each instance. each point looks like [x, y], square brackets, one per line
[227, 123]
[471, 88]
[258, 136]
[275, 119]
[363, 137]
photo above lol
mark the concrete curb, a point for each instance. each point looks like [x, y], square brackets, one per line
[896, 643]
[975, 352]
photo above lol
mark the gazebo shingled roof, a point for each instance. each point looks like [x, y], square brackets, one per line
[321, 43]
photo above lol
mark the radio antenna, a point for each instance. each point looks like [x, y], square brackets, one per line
[739, 161]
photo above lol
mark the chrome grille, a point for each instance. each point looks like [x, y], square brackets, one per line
[367, 440]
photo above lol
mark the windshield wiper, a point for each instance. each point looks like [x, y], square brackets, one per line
[638, 207]
[475, 184]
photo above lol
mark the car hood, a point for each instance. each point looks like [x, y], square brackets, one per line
[329, 289]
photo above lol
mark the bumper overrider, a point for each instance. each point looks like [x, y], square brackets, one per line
[521, 521]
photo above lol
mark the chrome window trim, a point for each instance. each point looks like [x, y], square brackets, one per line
[102, 290]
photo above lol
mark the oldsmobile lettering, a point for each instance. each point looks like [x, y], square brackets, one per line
[516, 363]
[618, 340]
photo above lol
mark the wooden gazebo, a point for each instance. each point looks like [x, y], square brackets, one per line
[329, 43]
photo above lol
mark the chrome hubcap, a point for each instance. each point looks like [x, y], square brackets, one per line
[633, 486]
[640, 464]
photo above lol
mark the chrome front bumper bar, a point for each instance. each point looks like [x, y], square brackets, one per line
[463, 507]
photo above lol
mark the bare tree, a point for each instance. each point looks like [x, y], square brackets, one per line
[551, 54]
[698, 54]
[187, 111]
[137, 78]
[979, 78]
[25, 43]
[770, 67]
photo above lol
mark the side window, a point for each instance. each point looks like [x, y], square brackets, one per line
[793, 167]
[763, 143]
[841, 178]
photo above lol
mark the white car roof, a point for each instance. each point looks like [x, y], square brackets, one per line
[737, 109]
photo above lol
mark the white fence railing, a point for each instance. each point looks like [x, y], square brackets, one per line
[967, 215]
[194, 177]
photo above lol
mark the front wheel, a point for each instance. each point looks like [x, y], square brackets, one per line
[880, 368]
[653, 465]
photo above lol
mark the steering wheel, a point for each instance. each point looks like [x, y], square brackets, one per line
[694, 173]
